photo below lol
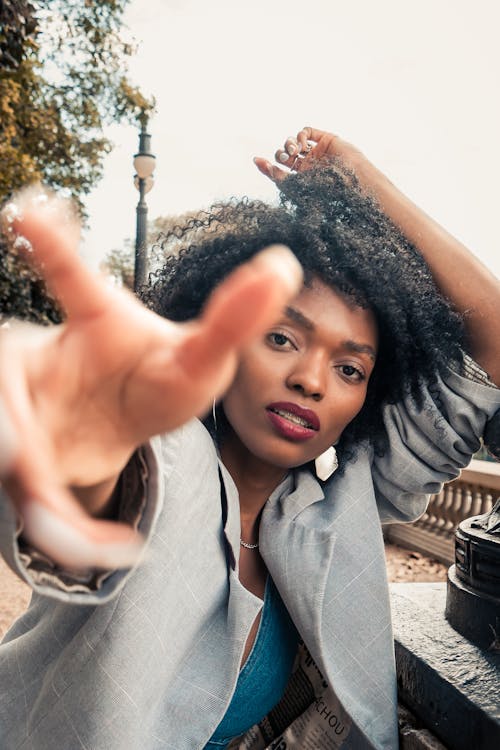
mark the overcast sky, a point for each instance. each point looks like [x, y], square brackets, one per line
[414, 84]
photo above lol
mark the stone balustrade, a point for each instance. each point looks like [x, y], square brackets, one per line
[472, 494]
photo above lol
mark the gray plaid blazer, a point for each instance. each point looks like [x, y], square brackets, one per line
[148, 658]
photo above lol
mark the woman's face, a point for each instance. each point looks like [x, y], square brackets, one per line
[298, 387]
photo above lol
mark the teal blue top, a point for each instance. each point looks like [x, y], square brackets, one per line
[264, 676]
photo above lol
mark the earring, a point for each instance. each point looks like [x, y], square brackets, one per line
[326, 464]
[214, 415]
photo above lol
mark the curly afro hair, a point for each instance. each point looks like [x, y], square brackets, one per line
[341, 236]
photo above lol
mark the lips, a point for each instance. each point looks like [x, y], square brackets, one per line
[293, 421]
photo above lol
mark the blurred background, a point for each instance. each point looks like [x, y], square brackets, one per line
[414, 85]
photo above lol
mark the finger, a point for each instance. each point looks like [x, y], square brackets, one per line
[241, 308]
[270, 170]
[283, 157]
[9, 440]
[254, 293]
[291, 146]
[325, 143]
[14, 390]
[310, 134]
[53, 234]
[304, 136]
[295, 152]
[56, 525]
[53, 521]
[80, 543]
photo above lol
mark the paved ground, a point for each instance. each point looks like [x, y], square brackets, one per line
[14, 597]
[405, 566]
[402, 565]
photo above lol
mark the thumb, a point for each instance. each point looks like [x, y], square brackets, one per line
[270, 170]
[241, 308]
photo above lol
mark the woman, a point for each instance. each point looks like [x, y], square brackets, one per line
[261, 596]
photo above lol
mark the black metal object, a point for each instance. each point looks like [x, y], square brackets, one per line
[473, 594]
[140, 237]
[140, 266]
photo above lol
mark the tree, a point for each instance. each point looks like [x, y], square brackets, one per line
[62, 78]
[119, 265]
[18, 25]
[65, 81]
[23, 295]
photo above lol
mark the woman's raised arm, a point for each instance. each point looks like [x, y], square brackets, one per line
[472, 289]
[77, 399]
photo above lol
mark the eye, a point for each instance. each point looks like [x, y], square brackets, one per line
[279, 340]
[352, 373]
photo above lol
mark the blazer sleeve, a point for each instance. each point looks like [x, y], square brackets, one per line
[429, 444]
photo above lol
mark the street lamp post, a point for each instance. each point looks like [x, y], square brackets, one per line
[144, 164]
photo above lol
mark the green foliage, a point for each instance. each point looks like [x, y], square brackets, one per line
[66, 82]
[119, 264]
[17, 27]
[63, 76]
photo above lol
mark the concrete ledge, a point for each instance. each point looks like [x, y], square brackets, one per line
[449, 684]
[411, 734]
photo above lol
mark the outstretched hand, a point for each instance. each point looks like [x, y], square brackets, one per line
[78, 399]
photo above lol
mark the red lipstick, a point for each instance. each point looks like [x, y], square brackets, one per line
[293, 421]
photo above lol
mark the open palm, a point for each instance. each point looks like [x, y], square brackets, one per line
[83, 396]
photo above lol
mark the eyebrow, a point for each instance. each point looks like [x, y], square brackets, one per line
[352, 346]
[297, 316]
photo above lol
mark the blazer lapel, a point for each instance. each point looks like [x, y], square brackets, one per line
[326, 557]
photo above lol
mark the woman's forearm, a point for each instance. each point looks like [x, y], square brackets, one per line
[471, 288]
[461, 277]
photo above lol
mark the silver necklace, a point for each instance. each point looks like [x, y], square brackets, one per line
[248, 546]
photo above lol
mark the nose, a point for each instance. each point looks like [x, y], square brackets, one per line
[309, 376]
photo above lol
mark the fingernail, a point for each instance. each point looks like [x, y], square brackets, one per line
[291, 148]
[285, 264]
[66, 545]
[283, 157]
[9, 442]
